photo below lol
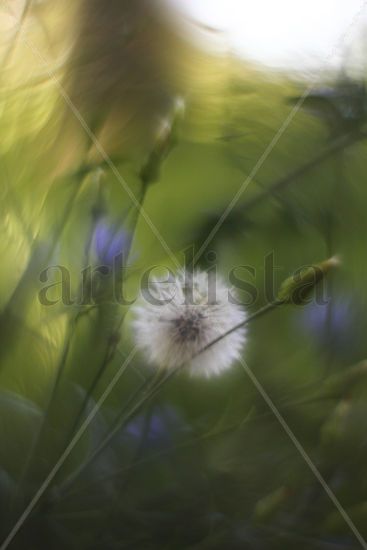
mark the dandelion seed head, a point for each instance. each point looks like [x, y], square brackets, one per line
[183, 318]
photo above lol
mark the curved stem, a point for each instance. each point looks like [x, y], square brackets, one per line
[259, 313]
[147, 389]
[339, 144]
[110, 352]
[45, 417]
[151, 389]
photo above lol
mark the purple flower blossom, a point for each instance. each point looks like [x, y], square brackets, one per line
[334, 326]
[109, 243]
[158, 430]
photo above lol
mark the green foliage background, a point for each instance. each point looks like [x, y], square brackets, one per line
[204, 464]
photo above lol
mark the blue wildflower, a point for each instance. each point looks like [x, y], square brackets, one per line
[333, 326]
[110, 243]
[159, 429]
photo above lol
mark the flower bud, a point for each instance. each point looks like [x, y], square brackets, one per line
[295, 289]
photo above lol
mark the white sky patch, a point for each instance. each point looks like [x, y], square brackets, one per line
[281, 33]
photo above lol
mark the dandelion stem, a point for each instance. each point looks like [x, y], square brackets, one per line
[259, 313]
[149, 389]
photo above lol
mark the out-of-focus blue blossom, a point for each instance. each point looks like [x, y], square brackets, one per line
[157, 430]
[334, 326]
[109, 242]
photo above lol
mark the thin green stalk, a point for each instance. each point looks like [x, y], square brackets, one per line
[259, 313]
[110, 352]
[56, 235]
[330, 236]
[148, 175]
[89, 393]
[147, 390]
[337, 145]
[59, 374]
[45, 417]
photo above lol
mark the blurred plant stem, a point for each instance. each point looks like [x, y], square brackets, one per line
[331, 228]
[339, 144]
[149, 174]
[27, 469]
[40, 256]
[60, 369]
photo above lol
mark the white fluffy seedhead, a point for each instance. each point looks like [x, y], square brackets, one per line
[183, 318]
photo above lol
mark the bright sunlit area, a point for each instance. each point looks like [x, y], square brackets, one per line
[283, 33]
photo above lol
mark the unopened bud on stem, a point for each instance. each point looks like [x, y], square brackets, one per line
[295, 289]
